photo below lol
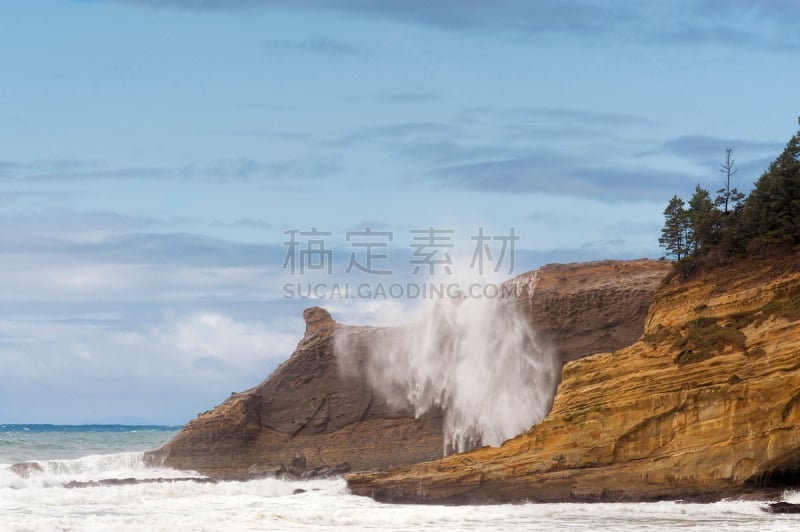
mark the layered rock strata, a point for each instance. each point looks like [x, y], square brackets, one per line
[310, 418]
[705, 405]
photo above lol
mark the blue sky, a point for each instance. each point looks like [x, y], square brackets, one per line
[153, 152]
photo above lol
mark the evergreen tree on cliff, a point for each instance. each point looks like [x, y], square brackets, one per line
[728, 197]
[704, 220]
[675, 235]
[772, 211]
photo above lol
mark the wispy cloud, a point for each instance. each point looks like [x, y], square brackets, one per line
[768, 25]
[399, 97]
[563, 117]
[440, 152]
[562, 151]
[702, 148]
[706, 152]
[168, 249]
[318, 45]
[243, 169]
[112, 173]
[274, 134]
[223, 169]
[280, 108]
[549, 173]
[390, 133]
[14, 195]
[46, 166]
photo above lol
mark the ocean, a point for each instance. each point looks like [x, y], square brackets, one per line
[79, 456]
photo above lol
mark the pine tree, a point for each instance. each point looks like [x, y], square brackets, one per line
[772, 212]
[734, 224]
[727, 196]
[703, 220]
[676, 233]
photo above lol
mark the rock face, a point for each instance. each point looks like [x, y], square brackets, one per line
[309, 418]
[592, 307]
[306, 419]
[705, 405]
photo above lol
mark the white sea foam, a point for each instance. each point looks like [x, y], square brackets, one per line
[49, 473]
[270, 504]
[475, 358]
[42, 503]
[792, 496]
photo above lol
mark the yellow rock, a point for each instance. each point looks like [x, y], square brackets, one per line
[705, 405]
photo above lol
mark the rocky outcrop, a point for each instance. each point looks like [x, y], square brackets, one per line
[306, 419]
[310, 418]
[705, 405]
[588, 307]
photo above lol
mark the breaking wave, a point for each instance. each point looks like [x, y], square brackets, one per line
[476, 359]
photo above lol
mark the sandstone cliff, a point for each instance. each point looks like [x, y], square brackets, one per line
[308, 418]
[706, 404]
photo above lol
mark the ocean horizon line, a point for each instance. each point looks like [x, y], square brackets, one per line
[87, 427]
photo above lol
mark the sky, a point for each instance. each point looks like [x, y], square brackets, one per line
[156, 156]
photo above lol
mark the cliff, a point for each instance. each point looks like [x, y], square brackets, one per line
[306, 419]
[592, 307]
[310, 418]
[705, 405]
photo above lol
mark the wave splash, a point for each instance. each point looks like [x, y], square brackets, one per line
[476, 359]
[50, 473]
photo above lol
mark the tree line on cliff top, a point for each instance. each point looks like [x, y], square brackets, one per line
[732, 224]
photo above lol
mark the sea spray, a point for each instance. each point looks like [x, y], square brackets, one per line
[476, 359]
[47, 473]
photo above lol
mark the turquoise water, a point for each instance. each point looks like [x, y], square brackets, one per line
[20, 443]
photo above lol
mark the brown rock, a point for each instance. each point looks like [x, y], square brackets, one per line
[592, 307]
[782, 508]
[309, 418]
[26, 469]
[705, 405]
[133, 481]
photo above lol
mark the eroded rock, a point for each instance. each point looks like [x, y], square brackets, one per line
[646, 422]
[332, 419]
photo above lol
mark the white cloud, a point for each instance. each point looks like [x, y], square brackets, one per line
[216, 335]
[208, 353]
[23, 278]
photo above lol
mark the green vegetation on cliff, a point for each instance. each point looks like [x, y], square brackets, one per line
[734, 224]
